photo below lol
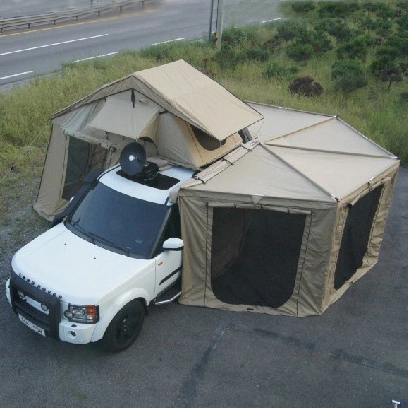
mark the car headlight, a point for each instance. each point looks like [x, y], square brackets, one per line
[82, 314]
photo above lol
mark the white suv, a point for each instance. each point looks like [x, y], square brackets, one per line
[114, 251]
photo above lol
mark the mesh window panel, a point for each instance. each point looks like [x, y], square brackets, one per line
[354, 243]
[82, 158]
[77, 166]
[255, 255]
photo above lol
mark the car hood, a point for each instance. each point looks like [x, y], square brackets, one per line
[73, 268]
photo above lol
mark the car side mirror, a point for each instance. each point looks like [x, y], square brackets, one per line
[173, 244]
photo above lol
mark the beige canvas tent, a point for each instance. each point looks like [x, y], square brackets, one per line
[281, 224]
[287, 222]
[177, 112]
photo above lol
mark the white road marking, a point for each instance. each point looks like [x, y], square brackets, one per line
[97, 56]
[52, 45]
[16, 75]
[168, 41]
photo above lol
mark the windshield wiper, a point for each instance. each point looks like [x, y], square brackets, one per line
[80, 229]
[109, 243]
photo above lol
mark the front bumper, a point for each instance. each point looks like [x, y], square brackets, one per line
[76, 333]
[50, 324]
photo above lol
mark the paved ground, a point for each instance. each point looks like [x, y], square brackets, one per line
[355, 355]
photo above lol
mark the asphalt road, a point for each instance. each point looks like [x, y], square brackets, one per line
[26, 54]
[16, 8]
[354, 355]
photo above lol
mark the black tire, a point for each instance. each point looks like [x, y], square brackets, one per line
[124, 327]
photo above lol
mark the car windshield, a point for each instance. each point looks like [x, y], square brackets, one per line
[118, 222]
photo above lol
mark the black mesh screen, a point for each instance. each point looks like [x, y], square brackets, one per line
[355, 238]
[82, 158]
[255, 255]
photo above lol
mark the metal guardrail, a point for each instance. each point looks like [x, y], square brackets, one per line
[28, 22]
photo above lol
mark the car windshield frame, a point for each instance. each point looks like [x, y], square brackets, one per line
[118, 222]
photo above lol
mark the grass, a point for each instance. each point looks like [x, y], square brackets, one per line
[375, 110]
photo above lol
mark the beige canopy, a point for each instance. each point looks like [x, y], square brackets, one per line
[287, 222]
[177, 112]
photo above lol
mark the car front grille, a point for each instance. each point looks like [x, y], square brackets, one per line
[34, 303]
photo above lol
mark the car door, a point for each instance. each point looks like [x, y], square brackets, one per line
[168, 269]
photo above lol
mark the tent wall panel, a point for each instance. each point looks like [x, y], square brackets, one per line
[310, 263]
[49, 202]
[356, 235]
[386, 182]
[317, 260]
[193, 214]
[265, 248]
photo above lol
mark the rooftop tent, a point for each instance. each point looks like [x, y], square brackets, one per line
[176, 111]
[286, 224]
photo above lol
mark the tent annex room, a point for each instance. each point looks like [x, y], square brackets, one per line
[287, 222]
[175, 111]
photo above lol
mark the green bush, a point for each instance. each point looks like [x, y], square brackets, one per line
[228, 58]
[379, 9]
[336, 9]
[275, 70]
[392, 74]
[356, 48]
[302, 7]
[399, 44]
[234, 37]
[386, 51]
[348, 75]
[298, 51]
[288, 30]
[381, 64]
[403, 24]
[257, 54]
[336, 27]
[319, 41]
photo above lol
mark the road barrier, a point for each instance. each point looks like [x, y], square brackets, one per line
[18, 23]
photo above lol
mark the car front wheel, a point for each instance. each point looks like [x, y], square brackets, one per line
[124, 327]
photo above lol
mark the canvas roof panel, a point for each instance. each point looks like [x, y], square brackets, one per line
[331, 136]
[200, 100]
[339, 174]
[260, 173]
[278, 121]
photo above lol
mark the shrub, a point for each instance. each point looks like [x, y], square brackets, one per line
[348, 75]
[318, 40]
[257, 54]
[403, 24]
[391, 74]
[381, 64]
[336, 8]
[399, 44]
[404, 96]
[355, 48]
[227, 58]
[299, 51]
[305, 86]
[303, 7]
[233, 37]
[275, 70]
[288, 30]
[386, 51]
[336, 27]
